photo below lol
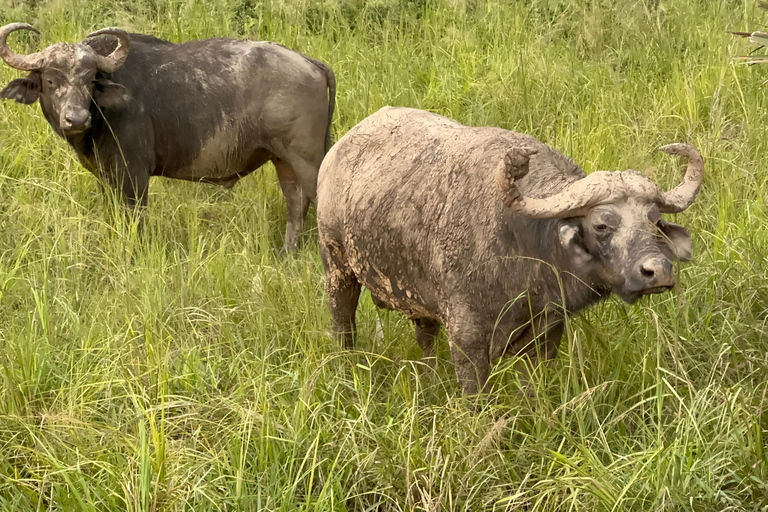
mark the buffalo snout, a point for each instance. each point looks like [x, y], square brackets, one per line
[652, 274]
[75, 120]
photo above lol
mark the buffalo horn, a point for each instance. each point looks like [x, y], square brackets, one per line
[113, 61]
[29, 62]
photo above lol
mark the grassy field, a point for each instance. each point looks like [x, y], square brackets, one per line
[195, 370]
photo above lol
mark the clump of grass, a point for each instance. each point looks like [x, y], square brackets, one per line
[195, 370]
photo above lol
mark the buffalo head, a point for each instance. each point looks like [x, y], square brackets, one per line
[610, 223]
[66, 78]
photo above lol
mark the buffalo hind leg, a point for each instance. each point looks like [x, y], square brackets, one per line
[298, 204]
[305, 172]
[343, 291]
[426, 332]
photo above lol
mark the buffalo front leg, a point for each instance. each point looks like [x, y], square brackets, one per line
[135, 187]
[538, 345]
[127, 169]
[426, 332]
[469, 343]
[343, 291]
[132, 186]
[298, 204]
[136, 195]
[126, 162]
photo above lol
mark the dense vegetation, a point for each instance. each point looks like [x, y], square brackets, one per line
[195, 369]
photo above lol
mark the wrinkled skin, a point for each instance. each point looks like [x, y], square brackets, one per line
[410, 206]
[210, 111]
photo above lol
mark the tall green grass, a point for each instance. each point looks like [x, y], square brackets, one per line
[195, 370]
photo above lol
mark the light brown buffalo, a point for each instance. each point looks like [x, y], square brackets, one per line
[491, 233]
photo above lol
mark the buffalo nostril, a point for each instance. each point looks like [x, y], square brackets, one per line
[68, 120]
[647, 271]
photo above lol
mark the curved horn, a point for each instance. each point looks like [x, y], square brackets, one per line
[575, 199]
[29, 62]
[682, 196]
[113, 61]
[572, 201]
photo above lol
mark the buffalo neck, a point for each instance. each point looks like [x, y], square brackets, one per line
[550, 273]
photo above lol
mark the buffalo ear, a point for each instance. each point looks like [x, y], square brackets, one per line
[108, 94]
[677, 239]
[571, 236]
[24, 90]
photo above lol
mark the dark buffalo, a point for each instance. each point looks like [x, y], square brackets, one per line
[488, 232]
[134, 106]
